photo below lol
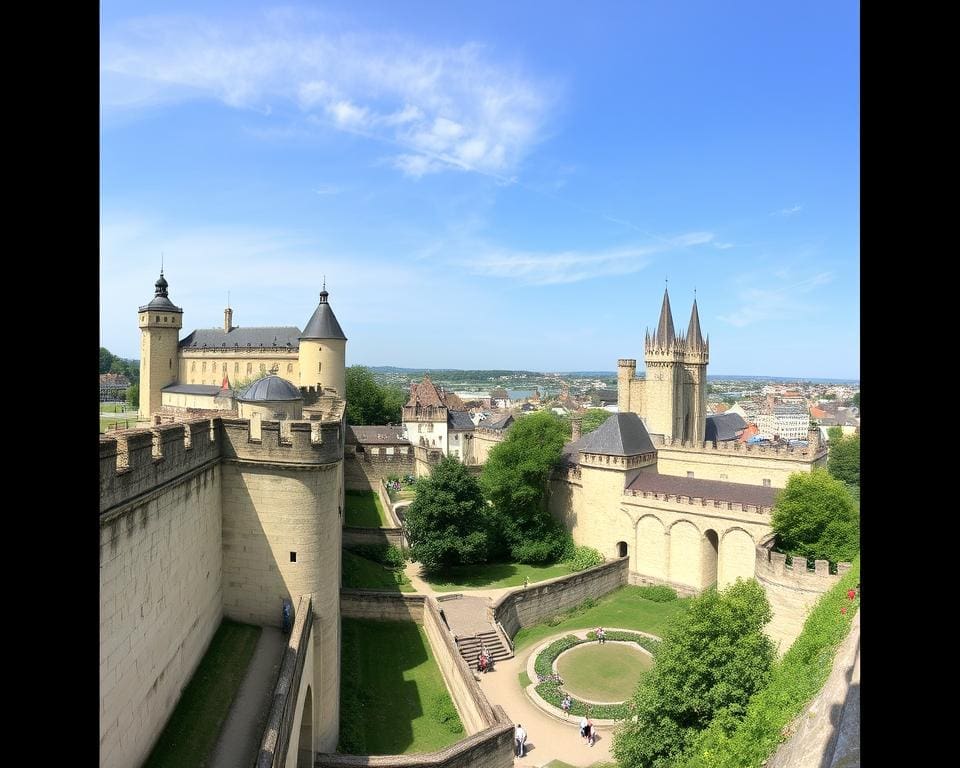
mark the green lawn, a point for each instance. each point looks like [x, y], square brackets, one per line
[608, 672]
[392, 695]
[111, 424]
[493, 575]
[116, 408]
[364, 510]
[361, 573]
[194, 726]
[623, 608]
[406, 493]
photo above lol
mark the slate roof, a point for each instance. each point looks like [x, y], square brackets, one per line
[161, 299]
[665, 332]
[269, 389]
[742, 493]
[724, 426]
[501, 423]
[694, 336]
[192, 389]
[273, 337]
[323, 323]
[392, 435]
[459, 420]
[623, 434]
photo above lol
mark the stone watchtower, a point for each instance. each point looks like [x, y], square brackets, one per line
[675, 393]
[323, 350]
[160, 324]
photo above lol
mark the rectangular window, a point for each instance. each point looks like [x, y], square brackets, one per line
[263, 367]
[293, 557]
[723, 477]
[766, 482]
[236, 367]
[689, 474]
[203, 367]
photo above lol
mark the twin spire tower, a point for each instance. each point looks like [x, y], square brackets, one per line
[672, 400]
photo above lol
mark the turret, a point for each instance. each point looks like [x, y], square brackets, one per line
[323, 349]
[160, 323]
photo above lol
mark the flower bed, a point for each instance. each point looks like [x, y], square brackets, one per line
[551, 690]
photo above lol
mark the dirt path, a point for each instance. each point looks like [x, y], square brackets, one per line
[239, 740]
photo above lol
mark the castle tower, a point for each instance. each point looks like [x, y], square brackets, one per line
[323, 350]
[626, 371]
[695, 359]
[663, 396]
[160, 324]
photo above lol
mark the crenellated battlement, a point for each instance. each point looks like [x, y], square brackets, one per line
[811, 452]
[135, 461]
[772, 568]
[606, 461]
[697, 501]
[307, 442]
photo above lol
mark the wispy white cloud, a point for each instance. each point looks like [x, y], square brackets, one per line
[539, 268]
[327, 189]
[778, 297]
[788, 211]
[723, 246]
[445, 108]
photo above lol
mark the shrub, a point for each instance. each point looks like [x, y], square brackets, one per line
[657, 594]
[388, 556]
[585, 557]
[815, 517]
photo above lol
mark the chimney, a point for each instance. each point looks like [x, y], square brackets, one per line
[576, 424]
[227, 320]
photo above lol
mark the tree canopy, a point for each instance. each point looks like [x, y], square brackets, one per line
[712, 660]
[844, 459]
[592, 418]
[370, 403]
[110, 363]
[815, 516]
[448, 521]
[515, 479]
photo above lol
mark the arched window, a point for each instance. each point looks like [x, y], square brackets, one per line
[621, 549]
[193, 366]
[203, 366]
[263, 367]
[236, 367]
[289, 367]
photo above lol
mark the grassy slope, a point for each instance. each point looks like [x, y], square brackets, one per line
[194, 726]
[361, 573]
[623, 608]
[390, 679]
[364, 510]
[493, 575]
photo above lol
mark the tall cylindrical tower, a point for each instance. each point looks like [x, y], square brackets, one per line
[160, 324]
[323, 350]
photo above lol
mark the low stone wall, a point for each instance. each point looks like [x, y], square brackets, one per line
[490, 743]
[475, 711]
[491, 748]
[381, 606]
[682, 590]
[537, 603]
[354, 537]
[365, 471]
[276, 736]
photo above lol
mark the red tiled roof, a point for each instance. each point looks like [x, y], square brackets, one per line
[749, 432]
[818, 413]
[425, 393]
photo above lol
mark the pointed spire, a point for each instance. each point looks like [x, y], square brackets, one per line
[694, 337]
[665, 332]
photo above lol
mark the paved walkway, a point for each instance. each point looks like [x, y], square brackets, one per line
[239, 740]
[547, 739]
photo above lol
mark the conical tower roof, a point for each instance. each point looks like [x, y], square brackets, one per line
[665, 332]
[323, 323]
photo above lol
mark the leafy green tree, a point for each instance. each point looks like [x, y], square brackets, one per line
[593, 418]
[448, 521]
[856, 400]
[368, 402]
[712, 660]
[834, 434]
[515, 479]
[844, 459]
[106, 359]
[133, 395]
[814, 516]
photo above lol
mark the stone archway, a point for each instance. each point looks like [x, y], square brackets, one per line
[710, 557]
[686, 554]
[305, 745]
[650, 552]
[621, 549]
[737, 557]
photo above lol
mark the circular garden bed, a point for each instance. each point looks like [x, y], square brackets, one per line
[552, 691]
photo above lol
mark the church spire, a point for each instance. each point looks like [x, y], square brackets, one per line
[694, 336]
[665, 332]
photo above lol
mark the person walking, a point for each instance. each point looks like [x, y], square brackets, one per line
[591, 731]
[602, 635]
[520, 739]
[565, 704]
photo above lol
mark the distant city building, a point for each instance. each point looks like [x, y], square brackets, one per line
[428, 420]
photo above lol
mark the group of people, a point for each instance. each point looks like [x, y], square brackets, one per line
[587, 730]
[601, 635]
[484, 660]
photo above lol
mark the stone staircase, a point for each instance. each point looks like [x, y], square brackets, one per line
[470, 647]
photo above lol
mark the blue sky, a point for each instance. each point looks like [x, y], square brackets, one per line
[490, 185]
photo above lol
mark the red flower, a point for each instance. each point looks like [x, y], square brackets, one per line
[852, 593]
[843, 610]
